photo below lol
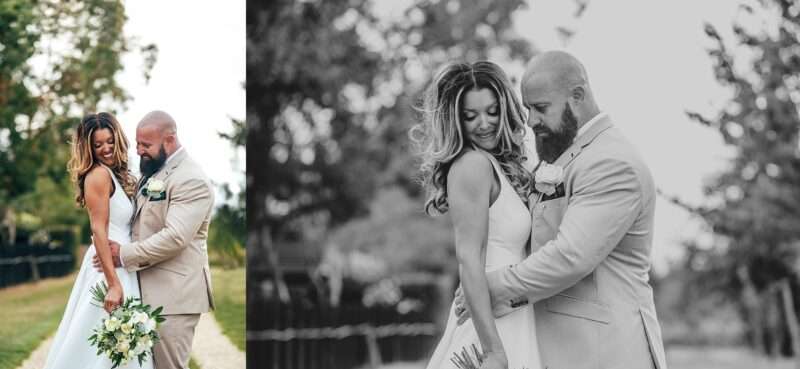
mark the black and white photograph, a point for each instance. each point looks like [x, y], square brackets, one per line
[522, 184]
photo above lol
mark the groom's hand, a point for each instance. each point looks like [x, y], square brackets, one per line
[462, 313]
[114, 247]
[461, 306]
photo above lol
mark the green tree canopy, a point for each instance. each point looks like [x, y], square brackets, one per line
[58, 61]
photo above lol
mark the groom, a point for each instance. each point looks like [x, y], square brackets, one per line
[170, 227]
[587, 275]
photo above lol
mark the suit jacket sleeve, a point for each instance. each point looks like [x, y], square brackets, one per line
[187, 210]
[606, 199]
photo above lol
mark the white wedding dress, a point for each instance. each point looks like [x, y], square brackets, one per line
[71, 347]
[509, 228]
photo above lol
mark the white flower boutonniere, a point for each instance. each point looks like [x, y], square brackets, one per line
[154, 189]
[547, 178]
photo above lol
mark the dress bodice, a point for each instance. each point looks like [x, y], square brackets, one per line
[509, 224]
[120, 211]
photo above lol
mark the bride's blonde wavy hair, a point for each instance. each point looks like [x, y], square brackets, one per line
[440, 136]
[82, 158]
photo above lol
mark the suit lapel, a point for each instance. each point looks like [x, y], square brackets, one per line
[564, 161]
[162, 175]
[582, 141]
[140, 198]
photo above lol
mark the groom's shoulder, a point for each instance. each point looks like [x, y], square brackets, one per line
[614, 146]
[613, 154]
[189, 169]
[610, 150]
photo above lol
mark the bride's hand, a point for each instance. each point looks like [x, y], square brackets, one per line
[495, 360]
[114, 298]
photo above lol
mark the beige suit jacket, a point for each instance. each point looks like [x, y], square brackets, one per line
[169, 240]
[588, 273]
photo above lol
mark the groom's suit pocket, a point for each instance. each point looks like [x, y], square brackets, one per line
[554, 211]
[578, 308]
[547, 217]
[153, 214]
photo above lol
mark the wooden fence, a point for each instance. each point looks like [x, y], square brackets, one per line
[309, 333]
[16, 269]
[301, 336]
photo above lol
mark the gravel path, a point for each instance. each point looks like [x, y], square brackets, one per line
[38, 356]
[210, 349]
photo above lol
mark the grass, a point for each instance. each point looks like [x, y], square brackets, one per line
[230, 301]
[693, 357]
[29, 313]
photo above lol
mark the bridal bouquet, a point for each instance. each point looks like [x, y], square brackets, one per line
[467, 359]
[129, 332]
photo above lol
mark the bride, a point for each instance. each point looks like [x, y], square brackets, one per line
[472, 161]
[105, 187]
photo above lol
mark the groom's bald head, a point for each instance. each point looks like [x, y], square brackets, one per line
[558, 79]
[160, 121]
[555, 89]
[555, 70]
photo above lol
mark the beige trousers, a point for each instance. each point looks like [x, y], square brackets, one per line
[175, 347]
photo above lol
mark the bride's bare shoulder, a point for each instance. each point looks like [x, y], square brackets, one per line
[469, 164]
[97, 179]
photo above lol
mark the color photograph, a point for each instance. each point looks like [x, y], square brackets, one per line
[122, 242]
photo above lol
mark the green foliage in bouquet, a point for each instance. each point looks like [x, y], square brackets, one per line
[467, 359]
[128, 332]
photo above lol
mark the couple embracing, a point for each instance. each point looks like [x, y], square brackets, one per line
[579, 297]
[149, 239]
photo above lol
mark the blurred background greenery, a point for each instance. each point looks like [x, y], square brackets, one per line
[334, 208]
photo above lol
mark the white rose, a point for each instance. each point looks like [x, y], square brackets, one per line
[146, 342]
[126, 328]
[548, 177]
[123, 347]
[149, 326]
[155, 186]
[550, 174]
[139, 317]
[140, 348]
[112, 324]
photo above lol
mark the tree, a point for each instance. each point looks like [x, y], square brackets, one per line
[228, 231]
[330, 86]
[756, 201]
[58, 61]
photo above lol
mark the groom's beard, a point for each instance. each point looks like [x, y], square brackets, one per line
[149, 166]
[555, 143]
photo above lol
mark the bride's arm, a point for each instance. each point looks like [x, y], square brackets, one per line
[469, 184]
[97, 194]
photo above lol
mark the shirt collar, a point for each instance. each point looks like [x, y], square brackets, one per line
[173, 155]
[591, 122]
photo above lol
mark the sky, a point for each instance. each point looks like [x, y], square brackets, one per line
[647, 63]
[198, 77]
